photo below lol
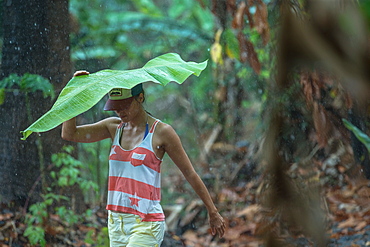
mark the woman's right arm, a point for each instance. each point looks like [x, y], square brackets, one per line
[90, 132]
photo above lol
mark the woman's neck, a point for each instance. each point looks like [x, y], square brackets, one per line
[141, 119]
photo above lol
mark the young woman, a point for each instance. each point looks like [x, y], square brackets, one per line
[139, 144]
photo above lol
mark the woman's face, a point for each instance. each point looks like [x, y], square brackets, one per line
[128, 112]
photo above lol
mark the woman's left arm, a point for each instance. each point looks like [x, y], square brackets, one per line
[172, 145]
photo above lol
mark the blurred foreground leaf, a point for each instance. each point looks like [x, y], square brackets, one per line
[83, 92]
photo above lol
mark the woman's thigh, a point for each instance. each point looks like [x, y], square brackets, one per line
[147, 234]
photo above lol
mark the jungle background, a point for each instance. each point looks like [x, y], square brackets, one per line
[277, 125]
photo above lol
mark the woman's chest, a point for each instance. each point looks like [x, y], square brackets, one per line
[129, 141]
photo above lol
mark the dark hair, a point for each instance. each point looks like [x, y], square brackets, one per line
[136, 90]
[137, 96]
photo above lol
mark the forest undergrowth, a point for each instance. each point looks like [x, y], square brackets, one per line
[344, 199]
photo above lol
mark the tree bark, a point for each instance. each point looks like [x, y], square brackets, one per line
[36, 41]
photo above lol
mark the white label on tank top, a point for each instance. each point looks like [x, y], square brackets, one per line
[137, 156]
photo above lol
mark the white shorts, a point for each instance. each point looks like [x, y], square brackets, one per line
[128, 230]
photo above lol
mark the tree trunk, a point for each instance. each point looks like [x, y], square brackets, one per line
[36, 41]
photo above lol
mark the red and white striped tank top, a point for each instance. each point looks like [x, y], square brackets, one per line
[134, 184]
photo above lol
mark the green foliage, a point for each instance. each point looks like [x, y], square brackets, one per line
[36, 235]
[36, 218]
[28, 83]
[68, 175]
[100, 240]
[109, 30]
[89, 237]
[2, 95]
[94, 156]
[361, 136]
[83, 92]
[190, 12]
[365, 9]
[70, 171]
[147, 7]
[232, 43]
[68, 215]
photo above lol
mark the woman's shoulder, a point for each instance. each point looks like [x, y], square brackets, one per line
[111, 122]
[160, 125]
[113, 119]
[164, 129]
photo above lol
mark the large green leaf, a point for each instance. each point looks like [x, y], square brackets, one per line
[83, 92]
[361, 136]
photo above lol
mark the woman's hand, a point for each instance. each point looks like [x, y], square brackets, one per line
[217, 224]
